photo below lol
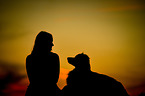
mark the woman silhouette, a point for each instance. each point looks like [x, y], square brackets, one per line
[42, 67]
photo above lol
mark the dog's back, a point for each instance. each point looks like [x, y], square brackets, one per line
[92, 84]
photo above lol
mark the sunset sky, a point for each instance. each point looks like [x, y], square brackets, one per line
[110, 32]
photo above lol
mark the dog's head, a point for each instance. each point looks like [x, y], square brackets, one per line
[80, 61]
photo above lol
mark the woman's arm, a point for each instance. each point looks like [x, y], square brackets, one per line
[28, 67]
[57, 63]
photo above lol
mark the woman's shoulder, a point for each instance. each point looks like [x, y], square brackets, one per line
[29, 58]
[54, 54]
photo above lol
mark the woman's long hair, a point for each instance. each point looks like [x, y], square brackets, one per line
[43, 43]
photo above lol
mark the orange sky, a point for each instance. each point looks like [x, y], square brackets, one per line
[111, 32]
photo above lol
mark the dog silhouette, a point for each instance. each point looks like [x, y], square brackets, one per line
[82, 81]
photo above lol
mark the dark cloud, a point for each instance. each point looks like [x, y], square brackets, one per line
[10, 79]
[136, 90]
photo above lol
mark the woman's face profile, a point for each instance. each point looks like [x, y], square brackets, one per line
[50, 44]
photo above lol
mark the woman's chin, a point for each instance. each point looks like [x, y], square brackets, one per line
[50, 49]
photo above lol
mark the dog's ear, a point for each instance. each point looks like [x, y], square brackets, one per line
[71, 60]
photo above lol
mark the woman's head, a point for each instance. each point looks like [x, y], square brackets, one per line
[43, 43]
